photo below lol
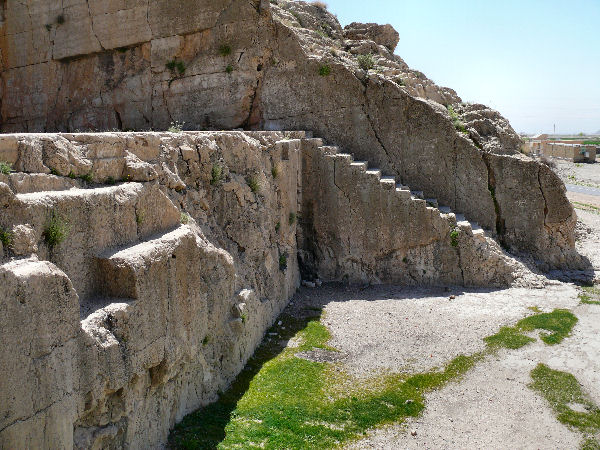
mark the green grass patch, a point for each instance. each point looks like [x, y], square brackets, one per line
[253, 183]
[562, 390]
[216, 174]
[5, 168]
[282, 401]
[591, 142]
[558, 323]
[590, 295]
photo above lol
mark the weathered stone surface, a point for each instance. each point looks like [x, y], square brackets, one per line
[136, 319]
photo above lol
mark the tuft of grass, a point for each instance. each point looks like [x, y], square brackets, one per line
[60, 19]
[5, 168]
[558, 323]
[185, 218]
[176, 127]
[216, 174]
[275, 171]
[244, 317]
[206, 340]
[176, 65]
[229, 69]
[366, 62]
[561, 389]
[110, 181]
[253, 183]
[5, 237]
[292, 218]
[56, 230]
[458, 124]
[277, 227]
[283, 262]
[72, 175]
[225, 50]
[454, 234]
[325, 70]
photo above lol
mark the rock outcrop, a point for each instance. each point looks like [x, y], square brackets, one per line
[277, 65]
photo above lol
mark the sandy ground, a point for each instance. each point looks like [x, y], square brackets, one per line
[399, 329]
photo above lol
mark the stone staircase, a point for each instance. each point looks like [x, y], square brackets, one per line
[405, 238]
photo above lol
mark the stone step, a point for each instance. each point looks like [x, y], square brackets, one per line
[374, 173]
[388, 183]
[445, 209]
[345, 156]
[330, 149]
[26, 183]
[362, 165]
[418, 194]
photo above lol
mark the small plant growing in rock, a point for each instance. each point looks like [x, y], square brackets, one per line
[110, 181]
[283, 262]
[176, 127]
[292, 218]
[56, 231]
[55, 172]
[456, 120]
[5, 168]
[366, 62]
[325, 70]
[225, 50]
[216, 175]
[253, 183]
[60, 19]
[275, 171]
[139, 217]
[48, 26]
[206, 340]
[5, 237]
[229, 69]
[277, 227]
[454, 237]
[72, 175]
[185, 218]
[244, 318]
[176, 65]
[88, 177]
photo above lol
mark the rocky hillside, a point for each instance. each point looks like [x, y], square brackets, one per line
[274, 66]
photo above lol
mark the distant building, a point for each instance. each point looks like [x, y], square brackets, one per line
[570, 150]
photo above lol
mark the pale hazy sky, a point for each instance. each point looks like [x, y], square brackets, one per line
[535, 61]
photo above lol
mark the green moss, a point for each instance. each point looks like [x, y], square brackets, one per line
[5, 168]
[292, 218]
[229, 69]
[558, 323]
[56, 230]
[176, 65]
[561, 390]
[283, 262]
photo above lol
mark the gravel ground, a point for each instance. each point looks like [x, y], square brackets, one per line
[399, 329]
[583, 173]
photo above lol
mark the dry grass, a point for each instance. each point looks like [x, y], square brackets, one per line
[319, 4]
